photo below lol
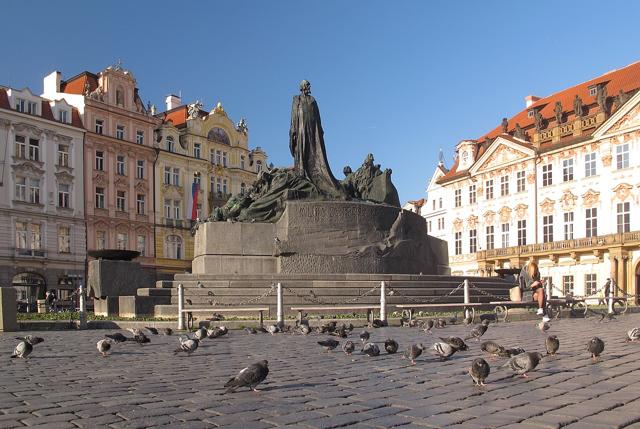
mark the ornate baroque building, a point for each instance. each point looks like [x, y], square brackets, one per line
[42, 225]
[119, 158]
[557, 183]
[203, 158]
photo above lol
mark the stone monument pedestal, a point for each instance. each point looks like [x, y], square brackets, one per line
[8, 310]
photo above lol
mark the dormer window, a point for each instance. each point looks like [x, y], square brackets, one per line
[32, 108]
[170, 144]
[593, 90]
[21, 105]
[530, 113]
[63, 116]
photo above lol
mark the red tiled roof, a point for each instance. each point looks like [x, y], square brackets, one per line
[46, 111]
[177, 115]
[4, 99]
[626, 79]
[75, 85]
[417, 203]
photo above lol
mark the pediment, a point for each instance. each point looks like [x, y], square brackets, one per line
[625, 118]
[501, 153]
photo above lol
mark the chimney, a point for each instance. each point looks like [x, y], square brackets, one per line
[172, 101]
[530, 99]
[51, 83]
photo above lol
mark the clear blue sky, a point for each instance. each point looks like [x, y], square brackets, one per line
[400, 79]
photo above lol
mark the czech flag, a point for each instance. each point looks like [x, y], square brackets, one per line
[195, 190]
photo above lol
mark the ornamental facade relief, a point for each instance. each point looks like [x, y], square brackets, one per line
[505, 214]
[547, 206]
[521, 211]
[568, 200]
[489, 217]
[590, 198]
[622, 192]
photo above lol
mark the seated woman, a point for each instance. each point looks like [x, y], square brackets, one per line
[530, 279]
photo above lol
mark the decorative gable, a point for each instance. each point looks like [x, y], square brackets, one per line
[501, 153]
[626, 118]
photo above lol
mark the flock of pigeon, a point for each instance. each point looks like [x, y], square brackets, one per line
[519, 361]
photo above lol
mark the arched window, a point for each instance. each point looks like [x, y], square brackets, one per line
[258, 166]
[218, 135]
[243, 189]
[173, 247]
[120, 96]
[170, 144]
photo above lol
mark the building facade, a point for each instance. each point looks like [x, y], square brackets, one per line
[203, 158]
[42, 225]
[557, 183]
[119, 159]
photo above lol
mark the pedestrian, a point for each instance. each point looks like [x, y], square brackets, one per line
[50, 298]
[604, 300]
[530, 281]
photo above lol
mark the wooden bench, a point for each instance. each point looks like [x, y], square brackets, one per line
[410, 308]
[190, 311]
[554, 305]
[369, 309]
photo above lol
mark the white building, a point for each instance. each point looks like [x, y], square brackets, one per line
[556, 183]
[42, 225]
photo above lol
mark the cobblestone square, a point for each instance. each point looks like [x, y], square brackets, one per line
[67, 384]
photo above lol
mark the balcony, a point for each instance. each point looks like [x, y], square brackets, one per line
[34, 253]
[175, 223]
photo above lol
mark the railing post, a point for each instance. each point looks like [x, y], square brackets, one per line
[383, 302]
[467, 298]
[180, 307]
[548, 287]
[83, 308]
[610, 303]
[280, 306]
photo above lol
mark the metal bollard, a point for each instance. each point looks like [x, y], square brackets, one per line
[180, 307]
[467, 298]
[610, 303]
[280, 307]
[383, 302]
[83, 308]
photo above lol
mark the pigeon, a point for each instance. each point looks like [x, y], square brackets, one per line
[492, 348]
[467, 320]
[371, 349]
[595, 347]
[104, 346]
[633, 334]
[441, 323]
[364, 337]
[478, 331]
[444, 350]
[304, 329]
[140, 338]
[118, 337]
[250, 330]
[216, 332]
[154, 331]
[544, 326]
[552, 343]
[340, 331]
[261, 329]
[413, 352]
[187, 345]
[22, 350]
[167, 331]
[390, 346]
[272, 329]
[456, 342]
[249, 377]
[377, 323]
[479, 371]
[523, 363]
[329, 344]
[135, 331]
[510, 352]
[200, 334]
[31, 339]
[348, 347]
[429, 326]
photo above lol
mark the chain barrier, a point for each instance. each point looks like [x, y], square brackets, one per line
[393, 292]
[315, 300]
[253, 300]
[490, 295]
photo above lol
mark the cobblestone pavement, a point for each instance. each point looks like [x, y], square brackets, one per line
[67, 384]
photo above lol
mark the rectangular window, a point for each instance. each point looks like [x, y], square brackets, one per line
[167, 175]
[21, 105]
[488, 189]
[567, 285]
[63, 116]
[121, 198]
[99, 160]
[520, 181]
[64, 239]
[176, 209]
[21, 147]
[21, 188]
[99, 126]
[36, 237]
[218, 185]
[547, 228]
[32, 108]
[472, 194]
[101, 240]
[441, 223]
[212, 156]
[34, 149]
[458, 243]
[224, 159]
[624, 217]
[64, 195]
[505, 235]
[122, 241]
[99, 198]
[429, 227]
[590, 164]
[242, 165]
[140, 204]
[547, 175]
[140, 169]
[224, 186]
[167, 209]
[176, 176]
[490, 240]
[63, 155]
[567, 170]
[170, 145]
[120, 165]
[21, 235]
[473, 241]
[140, 137]
[568, 226]
[433, 203]
[622, 156]
[141, 244]
[196, 150]
[504, 186]
[440, 202]
[458, 197]
[591, 222]
[522, 232]
[34, 191]
[120, 132]
[590, 284]
[218, 157]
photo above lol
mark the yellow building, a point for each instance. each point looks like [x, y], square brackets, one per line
[196, 150]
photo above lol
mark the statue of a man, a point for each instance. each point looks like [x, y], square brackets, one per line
[577, 106]
[306, 142]
[505, 125]
[558, 112]
[601, 98]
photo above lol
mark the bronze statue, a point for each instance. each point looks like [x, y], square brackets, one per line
[519, 133]
[622, 98]
[558, 112]
[537, 117]
[577, 106]
[306, 142]
[505, 125]
[601, 98]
